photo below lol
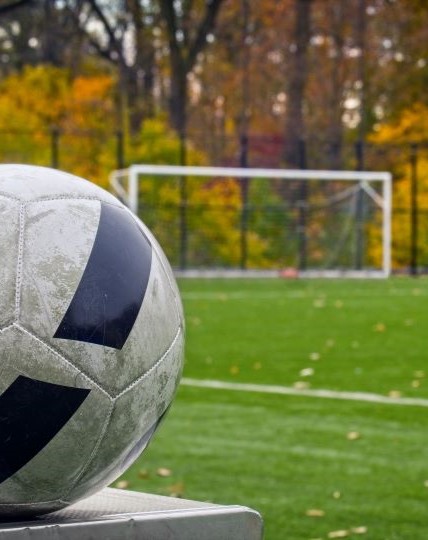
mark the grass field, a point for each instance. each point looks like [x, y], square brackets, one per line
[315, 467]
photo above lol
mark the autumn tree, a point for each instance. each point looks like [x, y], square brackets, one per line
[121, 33]
[188, 26]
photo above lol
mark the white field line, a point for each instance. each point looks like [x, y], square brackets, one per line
[288, 391]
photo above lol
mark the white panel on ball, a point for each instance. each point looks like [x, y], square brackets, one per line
[58, 239]
[135, 412]
[29, 183]
[9, 240]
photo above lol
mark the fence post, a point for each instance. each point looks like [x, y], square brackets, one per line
[243, 163]
[183, 204]
[359, 208]
[303, 208]
[55, 134]
[414, 209]
[120, 150]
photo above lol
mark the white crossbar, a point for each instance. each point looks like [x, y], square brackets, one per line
[384, 200]
[237, 172]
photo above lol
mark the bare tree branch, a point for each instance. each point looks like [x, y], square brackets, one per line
[206, 26]
[113, 41]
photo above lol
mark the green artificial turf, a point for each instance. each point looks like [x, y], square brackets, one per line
[362, 466]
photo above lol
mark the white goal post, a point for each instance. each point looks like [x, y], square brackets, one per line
[375, 186]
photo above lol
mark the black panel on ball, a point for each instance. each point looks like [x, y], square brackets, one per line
[109, 296]
[31, 414]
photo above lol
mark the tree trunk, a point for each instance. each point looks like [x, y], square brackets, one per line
[335, 123]
[140, 80]
[297, 77]
[178, 100]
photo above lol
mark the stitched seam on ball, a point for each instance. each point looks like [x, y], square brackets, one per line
[176, 300]
[39, 503]
[66, 360]
[10, 197]
[73, 198]
[150, 370]
[94, 451]
[19, 262]
[6, 327]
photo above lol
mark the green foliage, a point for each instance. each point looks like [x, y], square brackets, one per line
[159, 144]
[212, 206]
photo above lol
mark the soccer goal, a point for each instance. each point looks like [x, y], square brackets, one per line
[241, 221]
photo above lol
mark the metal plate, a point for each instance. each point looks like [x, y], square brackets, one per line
[114, 514]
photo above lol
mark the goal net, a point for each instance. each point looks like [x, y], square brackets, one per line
[234, 221]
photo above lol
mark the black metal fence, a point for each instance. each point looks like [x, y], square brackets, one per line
[94, 154]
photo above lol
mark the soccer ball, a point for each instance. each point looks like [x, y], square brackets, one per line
[91, 338]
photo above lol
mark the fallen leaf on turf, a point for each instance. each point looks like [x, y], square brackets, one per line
[359, 530]
[122, 484]
[338, 304]
[234, 370]
[176, 490]
[426, 483]
[419, 374]
[319, 303]
[416, 292]
[336, 494]
[143, 473]
[416, 383]
[338, 534]
[307, 372]
[164, 472]
[301, 385]
[314, 356]
[379, 327]
[315, 512]
[353, 436]
[395, 394]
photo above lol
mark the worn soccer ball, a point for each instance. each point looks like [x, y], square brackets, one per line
[91, 338]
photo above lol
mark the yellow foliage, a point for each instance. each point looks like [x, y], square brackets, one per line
[412, 125]
[41, 98]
